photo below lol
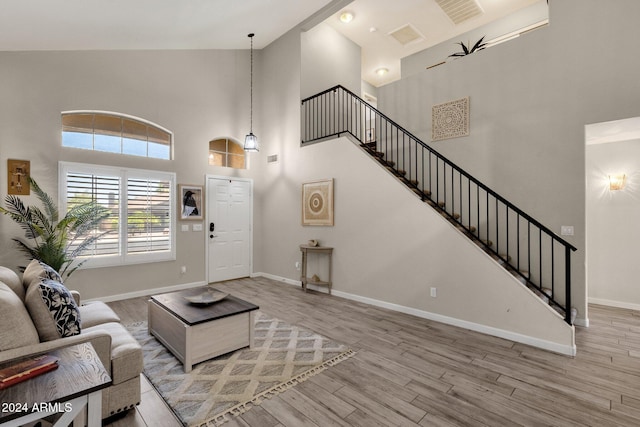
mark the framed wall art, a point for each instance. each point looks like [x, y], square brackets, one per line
[450, 120]
[317, 202]
[18, 177]
[191, 202]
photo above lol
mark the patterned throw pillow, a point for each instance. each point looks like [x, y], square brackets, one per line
[37, 270]
[49, 273]
[53, 310]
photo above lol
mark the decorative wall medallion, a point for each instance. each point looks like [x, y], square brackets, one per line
[317, 202]
[450, 120]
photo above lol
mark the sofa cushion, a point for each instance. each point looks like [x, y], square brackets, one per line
[16, 327]
[11, 279]
[53, 310]
[95, 313]
[38, 270]
[126, 352]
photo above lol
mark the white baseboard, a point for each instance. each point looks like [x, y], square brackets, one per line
[613, 303]
[146, 292]
[569, 350]
[278, 278]
[584, 322]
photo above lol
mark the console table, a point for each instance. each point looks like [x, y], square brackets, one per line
[322, 250]
[76, 384]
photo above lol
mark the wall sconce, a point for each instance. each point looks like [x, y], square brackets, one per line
[617, 182]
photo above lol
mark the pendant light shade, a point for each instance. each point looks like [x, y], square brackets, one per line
[251, 141]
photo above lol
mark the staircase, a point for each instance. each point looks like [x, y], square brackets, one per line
[536, 256]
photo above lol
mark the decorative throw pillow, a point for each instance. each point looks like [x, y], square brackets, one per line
[38, 270]
[53, 310]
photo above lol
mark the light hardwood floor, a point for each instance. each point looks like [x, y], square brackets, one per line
[410, 371]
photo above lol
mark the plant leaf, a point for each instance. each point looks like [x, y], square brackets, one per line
[49, 205]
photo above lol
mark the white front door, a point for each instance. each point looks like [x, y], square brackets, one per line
[229, 204]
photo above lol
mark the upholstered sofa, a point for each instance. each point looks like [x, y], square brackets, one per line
[39, 315]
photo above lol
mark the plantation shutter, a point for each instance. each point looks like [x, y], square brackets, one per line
[141, 226]
[149, 215]
[105, 190]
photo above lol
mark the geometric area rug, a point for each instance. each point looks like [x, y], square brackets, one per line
[215, 390]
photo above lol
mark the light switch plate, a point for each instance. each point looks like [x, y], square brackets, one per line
[184, 227]
[197, 227]
[566, 230]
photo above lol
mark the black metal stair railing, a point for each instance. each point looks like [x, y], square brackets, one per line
[538, 257]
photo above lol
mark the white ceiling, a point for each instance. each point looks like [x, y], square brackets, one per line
[147, 24]
[379, 50]
[224, 24]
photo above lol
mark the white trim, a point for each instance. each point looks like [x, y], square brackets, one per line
[581, 322]
[116, 114]
[127, 116]
[501, 333]
[123, 174]
[208, 219]
[146, 292]
[278, 279]
[613, 303]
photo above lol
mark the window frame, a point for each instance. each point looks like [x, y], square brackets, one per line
[121, 116]
[227, 153]
[123, 257]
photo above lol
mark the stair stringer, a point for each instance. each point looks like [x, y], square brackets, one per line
[416, 248]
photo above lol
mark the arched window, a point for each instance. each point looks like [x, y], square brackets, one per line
[226, 152]
[115, 133]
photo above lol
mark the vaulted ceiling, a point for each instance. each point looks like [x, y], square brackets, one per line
[224, 24]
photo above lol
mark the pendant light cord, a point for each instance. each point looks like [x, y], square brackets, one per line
[251, 87]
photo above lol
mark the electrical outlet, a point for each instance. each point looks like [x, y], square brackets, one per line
[183, 269]
[434, 292]
[298, 265]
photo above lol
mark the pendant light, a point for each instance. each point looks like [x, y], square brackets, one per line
[251, 141]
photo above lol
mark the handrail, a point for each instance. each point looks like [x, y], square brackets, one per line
[337, 110]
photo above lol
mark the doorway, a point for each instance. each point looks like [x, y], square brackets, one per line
[229, 228]
[612, 231]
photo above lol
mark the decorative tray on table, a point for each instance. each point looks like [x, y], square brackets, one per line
[207, 297]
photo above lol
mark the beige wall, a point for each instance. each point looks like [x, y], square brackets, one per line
[390, 248]
[530, 101]
[328, 59]
[199, 95]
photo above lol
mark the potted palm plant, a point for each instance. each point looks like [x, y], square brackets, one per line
[51, 239]
[467, 50]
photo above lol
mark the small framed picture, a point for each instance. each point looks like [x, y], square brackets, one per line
[18, 177]
[191, 202]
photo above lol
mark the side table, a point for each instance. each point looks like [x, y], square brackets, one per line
[76, 384]
[322, 250]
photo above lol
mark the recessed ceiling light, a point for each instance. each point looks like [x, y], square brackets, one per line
[346, 17]
[382, 71]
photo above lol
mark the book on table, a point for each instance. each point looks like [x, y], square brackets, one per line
[26, 369]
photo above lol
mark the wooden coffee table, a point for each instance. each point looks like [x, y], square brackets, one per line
[195, 332]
